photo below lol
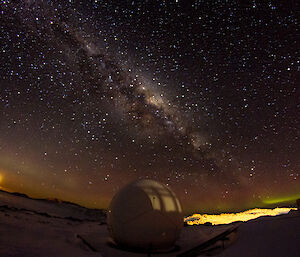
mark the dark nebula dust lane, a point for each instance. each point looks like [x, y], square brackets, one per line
[199, 96]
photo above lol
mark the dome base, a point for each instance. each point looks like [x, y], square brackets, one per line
[111, 242]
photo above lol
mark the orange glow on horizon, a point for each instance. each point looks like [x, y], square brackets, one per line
[226, 218]
[1, 186]
[1, 179]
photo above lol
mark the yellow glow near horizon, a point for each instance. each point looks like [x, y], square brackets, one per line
[226, 218]
[1, 180]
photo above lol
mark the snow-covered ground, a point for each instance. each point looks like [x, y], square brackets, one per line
[267, 236]
[30, 227]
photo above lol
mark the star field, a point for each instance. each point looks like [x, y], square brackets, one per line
[201, 96]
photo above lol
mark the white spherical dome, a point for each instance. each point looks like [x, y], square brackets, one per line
[145, 215]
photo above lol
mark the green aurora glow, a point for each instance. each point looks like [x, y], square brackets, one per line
[288, 199]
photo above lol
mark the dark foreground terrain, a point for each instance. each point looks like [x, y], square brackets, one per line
[33, 227]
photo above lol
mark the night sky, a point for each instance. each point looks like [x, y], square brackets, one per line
[201, 96]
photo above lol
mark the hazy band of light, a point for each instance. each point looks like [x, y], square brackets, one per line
[282, 199]
[226, 218]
